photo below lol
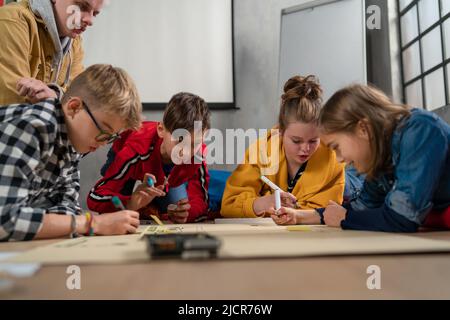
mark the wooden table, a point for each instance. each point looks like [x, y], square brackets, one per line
[402, 277]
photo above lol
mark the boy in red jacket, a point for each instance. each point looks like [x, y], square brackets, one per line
[162, 156]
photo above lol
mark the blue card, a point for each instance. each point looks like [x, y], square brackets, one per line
[173, 196]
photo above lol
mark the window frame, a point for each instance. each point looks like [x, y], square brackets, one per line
[444, 65]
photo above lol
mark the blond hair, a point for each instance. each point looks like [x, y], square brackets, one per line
[109, 89]
[301, 101]
[356, 103]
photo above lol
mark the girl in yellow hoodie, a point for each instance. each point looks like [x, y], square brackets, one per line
[292, 157]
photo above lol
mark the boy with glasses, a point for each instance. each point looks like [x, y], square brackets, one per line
[40, 148]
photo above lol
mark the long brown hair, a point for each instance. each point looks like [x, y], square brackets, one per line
[356, 103]
[301, 101]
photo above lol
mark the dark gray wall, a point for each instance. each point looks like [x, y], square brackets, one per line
[379, 50]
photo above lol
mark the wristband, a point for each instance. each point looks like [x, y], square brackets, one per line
[73, 227]
[90, 219]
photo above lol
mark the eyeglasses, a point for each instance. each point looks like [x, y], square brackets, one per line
[103, 136]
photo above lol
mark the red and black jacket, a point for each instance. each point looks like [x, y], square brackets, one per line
[138, 153]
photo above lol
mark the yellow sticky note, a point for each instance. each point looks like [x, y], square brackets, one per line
[157, 220]
[298, 228]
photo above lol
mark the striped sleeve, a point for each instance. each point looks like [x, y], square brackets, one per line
[122, 168]
[198, 195]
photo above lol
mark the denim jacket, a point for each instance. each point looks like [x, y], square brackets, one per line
[420, 182]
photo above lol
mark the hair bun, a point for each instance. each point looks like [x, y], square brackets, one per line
[302, 87]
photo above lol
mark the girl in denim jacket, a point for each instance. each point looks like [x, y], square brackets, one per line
[405, 153]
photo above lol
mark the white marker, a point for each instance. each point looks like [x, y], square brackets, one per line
[276, 188]
[277, 200]
[270, 183]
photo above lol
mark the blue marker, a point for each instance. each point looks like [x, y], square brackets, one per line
[117, 203]
[150, 182]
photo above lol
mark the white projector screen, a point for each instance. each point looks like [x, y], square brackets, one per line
[325, 38]
[168, 46]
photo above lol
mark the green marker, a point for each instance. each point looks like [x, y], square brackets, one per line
[117, 203]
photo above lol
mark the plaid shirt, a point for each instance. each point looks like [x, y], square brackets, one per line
[38, 169]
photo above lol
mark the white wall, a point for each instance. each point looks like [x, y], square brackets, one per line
[167, 46]
[395, 52]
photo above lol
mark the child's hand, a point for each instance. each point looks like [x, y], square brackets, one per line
[263, 205]
[284, 216]
[117, 223]
[145, 194]
[334, 215]
[288, 200]
[267, 203]
[179, 214]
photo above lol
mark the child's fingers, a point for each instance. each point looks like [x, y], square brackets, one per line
[288, 204]
[262, 213]
[290, 220]
[152, 192]
[283, 211]
[275, 218]
[292, 197]
[184, 207]
[144, 194]
[180, 214]
[133, 214]
[178, 217]
[155, 189]
[288, 197]
[180, 209]
[183, 202]
[134, 222]
[158, 192]
[131, 229]
[280, 220]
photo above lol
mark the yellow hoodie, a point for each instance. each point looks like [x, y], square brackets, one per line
[323, 180]
[27, 49]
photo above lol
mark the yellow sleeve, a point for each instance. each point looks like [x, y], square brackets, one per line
[242, 189]
[78, 57]
[333, 190]
[14, 59]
